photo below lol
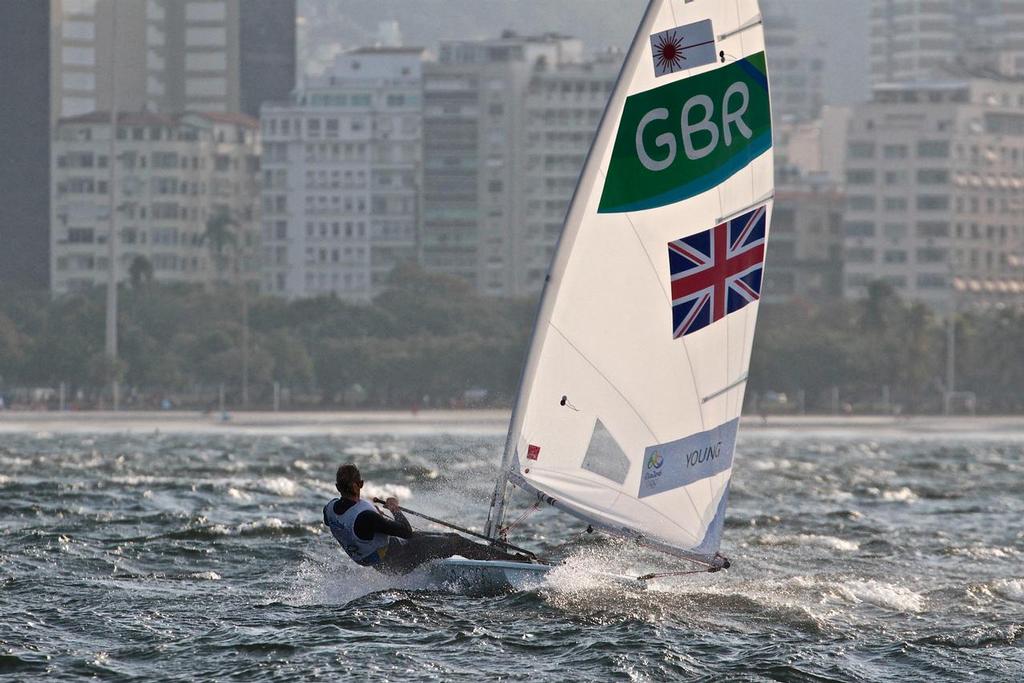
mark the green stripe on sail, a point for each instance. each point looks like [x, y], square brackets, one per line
[660, 157]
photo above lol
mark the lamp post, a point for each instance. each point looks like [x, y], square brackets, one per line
[111, 328]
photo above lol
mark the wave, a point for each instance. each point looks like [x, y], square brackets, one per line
[271, 526]
[809, 539]
[885, 595]
[1011, 589]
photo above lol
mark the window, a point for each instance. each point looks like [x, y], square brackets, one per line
[930, 202]
[860, 255]
[895, 256]
[861, 150]
[861, 202]
[206, 37]
[859, 229]
[895, 204]
[895, 152]
[932, 229]
[931, 281]
[933, 149]
[205, 11]
[932, 255]
[933, 176]
[860, 176]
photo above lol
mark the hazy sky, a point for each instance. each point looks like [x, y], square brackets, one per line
[841, 24]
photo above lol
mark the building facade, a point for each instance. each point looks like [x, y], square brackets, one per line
[935, 190]
[176, 174]
[921, 39]
[341, 171]
[805, 252]
[24, 144]
[171, 55]
[797, 55]
[507, 126]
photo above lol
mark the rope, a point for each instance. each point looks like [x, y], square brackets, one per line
[503, 532]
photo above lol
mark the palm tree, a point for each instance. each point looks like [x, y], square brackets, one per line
[226, 248]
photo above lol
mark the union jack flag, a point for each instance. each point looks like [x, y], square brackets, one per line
[716, 272]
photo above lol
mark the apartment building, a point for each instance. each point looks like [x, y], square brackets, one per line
[341, 170]
[507, 124]
[174, 174]
[920, 39]
[170, 55]
[935, 191]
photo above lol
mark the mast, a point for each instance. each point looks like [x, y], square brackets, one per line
[496, 513]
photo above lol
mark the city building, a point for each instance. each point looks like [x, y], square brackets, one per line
[24, 144]
[176, 175]
[507, 125]
[805, 252]
[171, 55]
[564, 103]
[935, 189]
[341, 172]
[920, 39]
[797, 57]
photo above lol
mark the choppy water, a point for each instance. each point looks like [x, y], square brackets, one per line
[198, 558]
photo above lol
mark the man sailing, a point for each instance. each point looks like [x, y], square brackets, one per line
[373, 540]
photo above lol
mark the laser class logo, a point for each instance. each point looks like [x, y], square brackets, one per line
[683, 47]
[685, 137]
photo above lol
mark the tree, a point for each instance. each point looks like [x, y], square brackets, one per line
[140, 271]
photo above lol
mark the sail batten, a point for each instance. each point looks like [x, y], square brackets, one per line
[647, 319]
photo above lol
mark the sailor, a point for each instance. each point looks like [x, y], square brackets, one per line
[373, 540]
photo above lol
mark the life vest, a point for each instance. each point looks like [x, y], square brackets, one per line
[342, 527]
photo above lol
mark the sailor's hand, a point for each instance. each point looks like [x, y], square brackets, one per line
[392, 504]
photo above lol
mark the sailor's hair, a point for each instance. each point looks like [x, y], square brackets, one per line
[348, 474]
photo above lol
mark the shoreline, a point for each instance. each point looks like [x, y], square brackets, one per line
[447, 421]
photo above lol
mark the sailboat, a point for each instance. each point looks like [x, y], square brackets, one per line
[630, 399]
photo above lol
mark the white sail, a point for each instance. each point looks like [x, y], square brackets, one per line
[629, 405]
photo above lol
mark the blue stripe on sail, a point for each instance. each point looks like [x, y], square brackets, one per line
[755, 74]
[734, 165]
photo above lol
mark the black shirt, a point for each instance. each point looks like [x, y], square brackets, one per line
[370, 522]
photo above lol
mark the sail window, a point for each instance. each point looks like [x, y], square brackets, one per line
[604, 456]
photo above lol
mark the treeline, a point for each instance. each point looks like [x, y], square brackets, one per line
[425, 336]
[430, 337]
[859, 350]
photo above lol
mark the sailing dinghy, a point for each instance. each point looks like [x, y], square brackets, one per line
[629, 403]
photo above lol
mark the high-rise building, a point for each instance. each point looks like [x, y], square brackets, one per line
[507, 124]
[24, 143]
[921, 39]
[176, 174]
[797, 55]
[341, 170]
[564, 103]
[267, 52]
[805, 255]
[935, 190]
[171, 55]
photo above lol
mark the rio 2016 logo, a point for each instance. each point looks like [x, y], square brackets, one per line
[655, 461]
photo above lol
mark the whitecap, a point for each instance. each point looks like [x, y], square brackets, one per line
[903, 495]
[206, 576]
[809, 539]
[1011, 589]
[238, 494]
[282, 486]
[885, 595]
